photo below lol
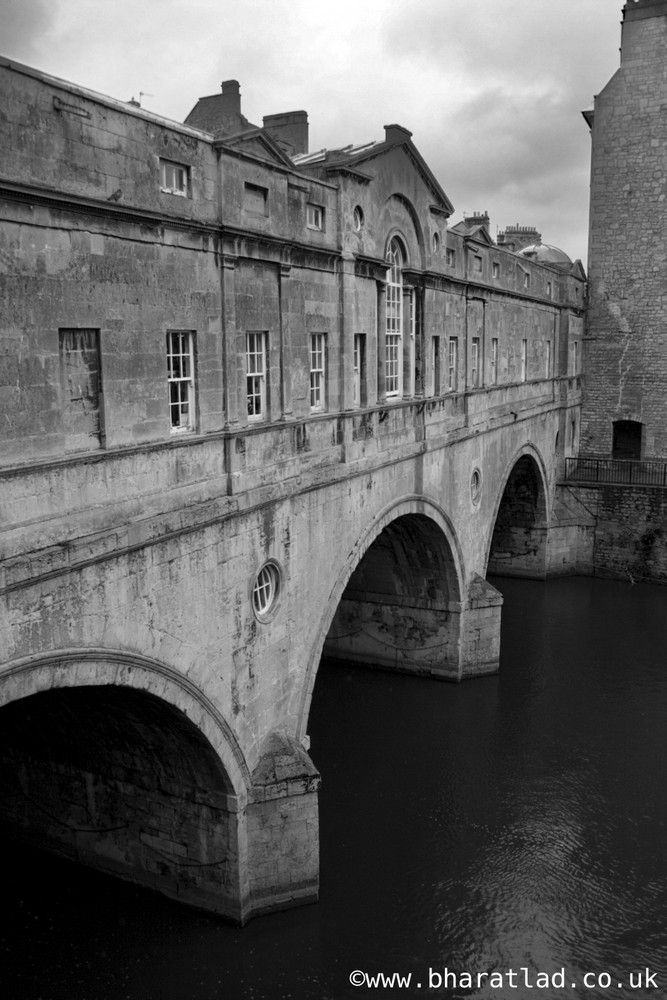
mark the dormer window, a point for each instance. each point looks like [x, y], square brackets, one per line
[175, 178]
[314, 217]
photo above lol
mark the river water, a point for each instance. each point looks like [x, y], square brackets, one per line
[516, 822]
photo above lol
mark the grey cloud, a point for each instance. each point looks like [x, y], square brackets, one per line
[22, 24]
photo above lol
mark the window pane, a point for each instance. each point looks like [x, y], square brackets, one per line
[180, 375]
[394, 324]
[256, 375]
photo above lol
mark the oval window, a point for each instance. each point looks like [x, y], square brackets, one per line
[476, 486]
[265, 590]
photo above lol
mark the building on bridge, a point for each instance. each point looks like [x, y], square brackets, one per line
[258, 403]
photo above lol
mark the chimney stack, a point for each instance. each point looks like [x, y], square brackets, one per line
[231, 97]
[290, 130]
[396, 133]
[517, 237]
[477, 219]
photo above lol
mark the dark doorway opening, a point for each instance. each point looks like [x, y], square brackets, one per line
[627, 440]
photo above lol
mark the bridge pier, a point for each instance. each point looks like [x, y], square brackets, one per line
[480, 630]
[282, 828]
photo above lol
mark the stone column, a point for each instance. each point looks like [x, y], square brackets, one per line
[345, 396]
[408, 387]
[381, 341]
[286, 359]
[233, 346]
[422, 356]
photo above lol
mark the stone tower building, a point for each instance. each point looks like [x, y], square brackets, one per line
[625, 399]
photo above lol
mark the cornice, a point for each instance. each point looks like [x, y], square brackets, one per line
[24, 193]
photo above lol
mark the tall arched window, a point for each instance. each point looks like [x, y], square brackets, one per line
[394, 338]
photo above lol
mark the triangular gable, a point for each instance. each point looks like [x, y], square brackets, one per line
[481, 235]
[479, 232]
[372, 152]
[258, 142]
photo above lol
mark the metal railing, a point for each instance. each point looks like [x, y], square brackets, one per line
[614, 470]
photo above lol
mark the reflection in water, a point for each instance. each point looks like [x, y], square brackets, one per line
[510, 821]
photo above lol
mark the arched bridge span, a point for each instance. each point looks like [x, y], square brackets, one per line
[200, 783]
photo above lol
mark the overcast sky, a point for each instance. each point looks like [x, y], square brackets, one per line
[492, 90]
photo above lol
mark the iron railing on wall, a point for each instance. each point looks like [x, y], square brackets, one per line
[613, 470]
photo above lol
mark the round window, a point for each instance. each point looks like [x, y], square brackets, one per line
[265, 590]
[358, 218]
[476, 486]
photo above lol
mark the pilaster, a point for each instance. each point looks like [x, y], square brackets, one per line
[381, 340]
[286, 353]
[233, 350]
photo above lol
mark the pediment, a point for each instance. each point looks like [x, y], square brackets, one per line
[257, 142]
[479, 233]
[438, 200]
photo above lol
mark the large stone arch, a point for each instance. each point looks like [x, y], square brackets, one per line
[411, 517]
[194, 823]
[517, 542]
[92, 667]
[119, 763]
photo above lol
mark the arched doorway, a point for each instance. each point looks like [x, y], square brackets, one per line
[518, 542]
[400, 608]
[121, 780]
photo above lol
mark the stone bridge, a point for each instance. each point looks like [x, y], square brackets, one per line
[155, 713]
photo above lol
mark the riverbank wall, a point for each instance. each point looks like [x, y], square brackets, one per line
[622, 532]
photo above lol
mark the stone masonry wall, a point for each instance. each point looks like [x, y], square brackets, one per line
[174, 838]
[630, 534]
[626, 350]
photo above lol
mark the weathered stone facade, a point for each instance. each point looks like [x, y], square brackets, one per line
[626, 536]
[233, 437]
[624, 414]
[626, 337]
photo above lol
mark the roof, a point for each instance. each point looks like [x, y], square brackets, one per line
[544, 253]
[479, 231]
[351, 157]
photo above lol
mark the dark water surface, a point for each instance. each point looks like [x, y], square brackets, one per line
[513, 821]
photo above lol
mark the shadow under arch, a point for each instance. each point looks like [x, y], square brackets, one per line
[110, 759]
[397, 599]
[91, 666]
[517, 543]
